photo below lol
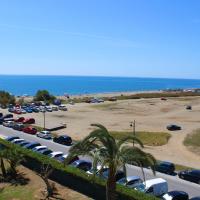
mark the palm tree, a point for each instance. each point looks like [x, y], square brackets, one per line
[106, 151]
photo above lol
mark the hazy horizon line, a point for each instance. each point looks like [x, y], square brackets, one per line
[103, 76]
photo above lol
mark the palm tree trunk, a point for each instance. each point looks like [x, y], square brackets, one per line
[3, 169]
[111, 185]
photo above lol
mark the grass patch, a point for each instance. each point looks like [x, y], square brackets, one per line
[147, 138]
[17, 192]
[193, 139]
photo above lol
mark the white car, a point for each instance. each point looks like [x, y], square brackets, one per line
[55, 154]
[63, 108]
[45, 135]
[156, 187]
[39, 148]
[16, 141]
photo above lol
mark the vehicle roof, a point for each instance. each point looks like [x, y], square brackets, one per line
[165, 162]
[56, 152]
[18, 139]
[130, 178]
[151, 182]
[39, 147]
[10, 137]
[46, 132]
[64, 136]
[174, 193]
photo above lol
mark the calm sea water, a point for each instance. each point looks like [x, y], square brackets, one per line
[58, 85]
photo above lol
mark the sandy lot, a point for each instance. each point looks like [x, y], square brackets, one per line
[150, 115]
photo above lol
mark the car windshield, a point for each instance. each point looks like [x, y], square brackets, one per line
[141, 187]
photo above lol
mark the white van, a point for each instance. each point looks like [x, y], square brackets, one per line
[156, 187]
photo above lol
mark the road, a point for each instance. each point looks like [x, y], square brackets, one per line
[174, 182]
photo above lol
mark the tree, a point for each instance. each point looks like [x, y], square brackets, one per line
[46, 171]
[6, 98]
[106, 151]
[44, 95]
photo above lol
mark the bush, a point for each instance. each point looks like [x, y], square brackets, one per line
[44, 95]
[75, 178]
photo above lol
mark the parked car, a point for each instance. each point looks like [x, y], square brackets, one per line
[18, 126]
[188, 107]
[55, 154]
[8, 124]
[30, 130]
[63, 157]
[23, 143]
[173, 127]
[11, 110]
[48, 109]
[175, 195]
[156, 187]
[45, 151]
[55, 108]
[39, 148]
[130, 181]
[20, 119]
[112, 99]
[190, 175]
[163, 99]
[82, 164]
[28, 110]
[31, 145]
[165, 167]
[45, 135]
[119, 175]
[62, 107]
[7, 116]
[17, 141]
[36, 110]
[29, 121]
[23, 111]
[63, 139]
[10, 138]
[18, 111]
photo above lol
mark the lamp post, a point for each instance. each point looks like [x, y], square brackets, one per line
[44, 112]
[132, 124]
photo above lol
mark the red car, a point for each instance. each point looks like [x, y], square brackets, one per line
[30, 130]
[20, 119]
[29, 121]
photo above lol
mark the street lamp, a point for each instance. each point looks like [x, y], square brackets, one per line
[132, 124]
[44, 112]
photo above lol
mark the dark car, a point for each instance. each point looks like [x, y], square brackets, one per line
[188, 107]
[173, 127]
[63, 157]
[176, 195]
[31, 145]
[23, 143]
[190, 175]
[63, 139]
[7, 116]
[165, 167]
[18, 126]
[82, 164]
[11, 138]
[195, 198]
[119, 175]
[1, 115]
[45, 151]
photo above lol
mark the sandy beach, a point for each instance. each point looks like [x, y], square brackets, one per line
[150, 115]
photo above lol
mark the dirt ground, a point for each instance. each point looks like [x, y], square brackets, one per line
[36, 186]
[150, 115]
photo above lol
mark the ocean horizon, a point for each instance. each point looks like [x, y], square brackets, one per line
[79, 85]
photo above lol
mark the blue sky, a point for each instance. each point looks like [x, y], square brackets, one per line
[140, 38]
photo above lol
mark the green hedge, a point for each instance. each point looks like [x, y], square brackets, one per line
[75, 178]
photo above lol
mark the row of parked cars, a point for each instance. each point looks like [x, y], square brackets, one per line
[32, 108]
[157, 187]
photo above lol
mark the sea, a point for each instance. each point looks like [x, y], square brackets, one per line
[80, 85]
